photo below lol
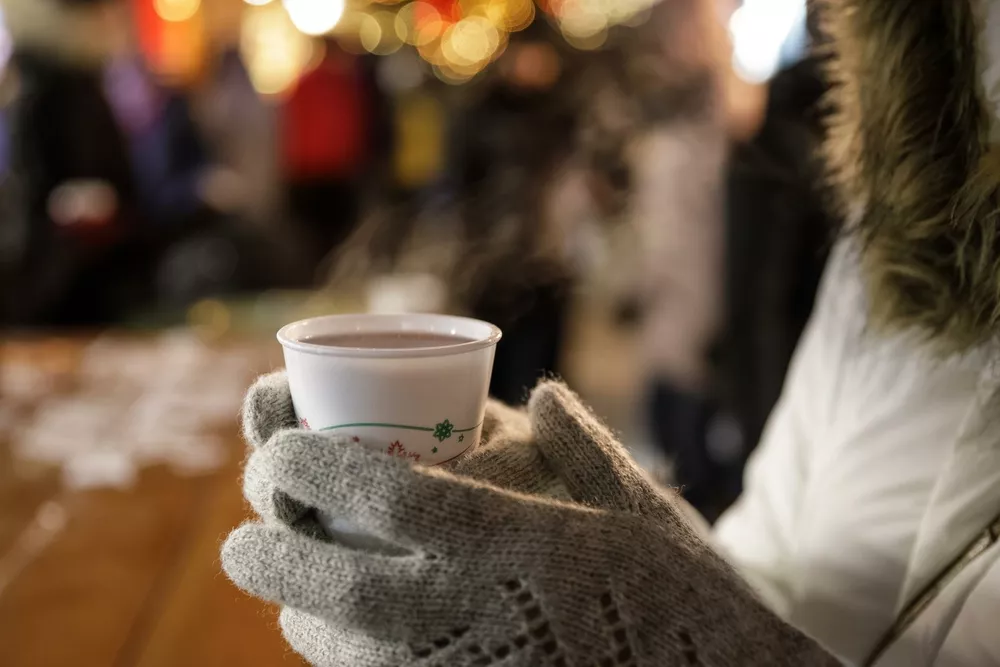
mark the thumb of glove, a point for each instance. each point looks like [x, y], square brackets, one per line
[595, 467]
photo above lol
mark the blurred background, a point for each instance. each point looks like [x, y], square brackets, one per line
[629, 188]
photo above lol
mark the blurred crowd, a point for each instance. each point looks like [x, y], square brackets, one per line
[491, 157]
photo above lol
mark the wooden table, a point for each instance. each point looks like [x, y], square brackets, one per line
[119, 478]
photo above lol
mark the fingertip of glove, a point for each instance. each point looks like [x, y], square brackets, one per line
[267, 407]
[241, 554]
[552, 398]
[546, 390]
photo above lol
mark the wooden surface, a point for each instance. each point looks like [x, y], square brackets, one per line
[109, 548]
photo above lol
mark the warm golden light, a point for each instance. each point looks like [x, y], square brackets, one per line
[420, 131]
[587, 42]
[583, 18]
[508, 15]
[176, 10]
[418, 23]
[431, 52]
[377, 33]
[370, 33]
[450, 76]
[315, 17]
[274, 50]
[520, 14]
[209, 318]
[470, 43]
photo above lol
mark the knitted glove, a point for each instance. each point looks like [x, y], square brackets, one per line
[506, 456]
[494, 577]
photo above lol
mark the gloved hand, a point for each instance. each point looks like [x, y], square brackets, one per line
[500, 578]
[506, 456]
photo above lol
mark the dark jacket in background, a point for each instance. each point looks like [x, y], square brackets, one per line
[778, 235]
[62, 129]
[505, 153]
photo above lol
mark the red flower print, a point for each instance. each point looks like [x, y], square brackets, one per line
[355, 439]
[398, 450]
[304, 423]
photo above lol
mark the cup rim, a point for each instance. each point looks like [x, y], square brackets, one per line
[286, 335]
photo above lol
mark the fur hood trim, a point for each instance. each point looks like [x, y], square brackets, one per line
[909, 154]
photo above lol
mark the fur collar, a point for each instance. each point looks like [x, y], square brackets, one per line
[909, 155]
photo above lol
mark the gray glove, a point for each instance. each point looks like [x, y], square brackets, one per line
[506, 456]
[494, 577]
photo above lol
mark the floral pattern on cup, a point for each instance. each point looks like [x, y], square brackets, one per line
[398, 450]
[443, 430]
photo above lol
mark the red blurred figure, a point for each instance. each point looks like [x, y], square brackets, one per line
[325, 145]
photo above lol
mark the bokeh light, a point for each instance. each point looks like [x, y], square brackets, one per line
[6, 44]
[759, 29]
[470, 43]
[274, 50]
[419, 23]
[210, 318]
[626, 11]
[450, 76]
[587, 42]
[176, 10]
[507, 15]
[534, 65]
[378, 33]
[315, 17]
[581, 19]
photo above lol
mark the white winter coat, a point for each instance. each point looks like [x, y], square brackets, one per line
[879, 464]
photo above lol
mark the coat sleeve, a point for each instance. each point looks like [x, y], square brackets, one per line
[758, 534]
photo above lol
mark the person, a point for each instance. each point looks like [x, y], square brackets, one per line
[324, 138]
[75, 197]
[509, 151]
[778, 234]
[867, 533]
[679, 165]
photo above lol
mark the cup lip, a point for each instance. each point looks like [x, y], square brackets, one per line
[288, 341]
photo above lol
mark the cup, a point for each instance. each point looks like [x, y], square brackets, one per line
[421, 403]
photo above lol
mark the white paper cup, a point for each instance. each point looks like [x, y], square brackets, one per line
[423, 404]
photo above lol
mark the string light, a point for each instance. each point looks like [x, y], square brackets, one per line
[459, 38]
[315, 17]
